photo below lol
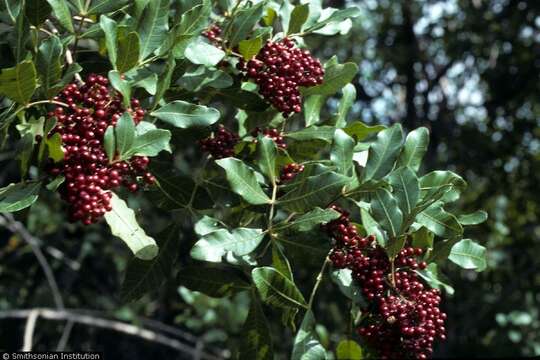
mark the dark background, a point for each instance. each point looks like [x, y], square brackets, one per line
[466, 69]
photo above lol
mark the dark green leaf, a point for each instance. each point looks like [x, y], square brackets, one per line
[243, 22]
[109, 28]
[276, 289]
[266, 156]
[18, 83]
[48, 61]
[212, 281]
[122, 86]
[312, 109]
[383, 153]
[439, 221]
[55, 184]
[372, 227]
[109, 143]
[441, 183]
[345, 103]
[342, 152]
[423, 238]
[164, 81]
[336, 76]
[325, 133]
[15, 197]
[298, 18]
[105, 6]
[360, 131]
[153, 27]
[243, 181]
[414, 149]
[128, 51]
[185, 115]
[308, 248]
[37, 11]
[62, 13]
[125, 133]
[310, 220]
[256, 342]
[143, 276]
[431, 276]
[280, 261]
[348, 286]
[386, 211]
[406, 189]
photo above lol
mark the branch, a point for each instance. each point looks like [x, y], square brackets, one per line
[149, 335]
[29, 330]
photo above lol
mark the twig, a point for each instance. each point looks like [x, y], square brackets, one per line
[65, 336]
[16, 227]
[122, 327]
[318, 282]
[29, 330]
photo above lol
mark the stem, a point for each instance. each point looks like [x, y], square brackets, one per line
[393, 273]
[27, 106]
[229, 25]
[69, 56]
[272, 206]
[318, 282]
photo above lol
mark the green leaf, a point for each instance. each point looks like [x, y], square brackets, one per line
[128, 51]
[37, 11]
[406, 189]
[212, 246]
[306, 344]
[439, 221]
[125, 134]
[256, 342]
[445, 185]
[121, 86]
[105, 6]
[153, 27]
[212, 281]
[202, 53]
[143, 276]
[309, 192]
[348, 350]
[62, 13]
[325, 133]
[383, 153]
[54, 147]
[243, 181]
[372, 227]
[201, 77]
[474, 218]
[298, 18]
[468, 255]
[48, 61]
[342, 152]
[310, 220]
[250, 48]
[336, 76]
[109, 28]
[121, 220]
[414, 149]
[345, 103]
[15, 197]
[344, 280]
[55, 184]
[109, 143]
[280, 261]
[266, 156]
[312, 109]
[206, 225]
[386, 211]
[431, 276]
[360, 131]
[164, 81]
[149, 142]
[275, 289]
[336, 17]
[308, 248]
[18, 83]
[243, 22]
[175, 192]
[423, 238]
[185, 115]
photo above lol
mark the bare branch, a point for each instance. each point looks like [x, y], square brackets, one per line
[29, 330]
[149, 335]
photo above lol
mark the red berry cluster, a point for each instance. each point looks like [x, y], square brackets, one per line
[290, 171]
[213, 33]
[221, 144]
[403, 317]
[279, 69]
[91, 108]
[274, 134]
